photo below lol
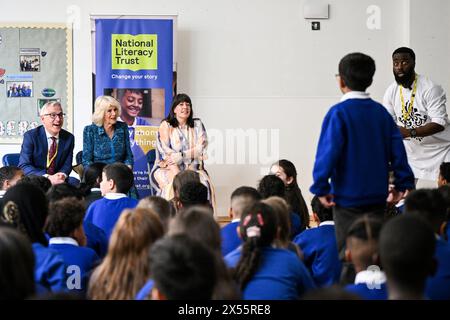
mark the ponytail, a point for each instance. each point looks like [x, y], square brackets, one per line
[258, 230]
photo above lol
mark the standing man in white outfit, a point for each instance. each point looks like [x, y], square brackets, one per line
[418, 107]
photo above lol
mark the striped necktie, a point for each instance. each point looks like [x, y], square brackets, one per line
[52, 157]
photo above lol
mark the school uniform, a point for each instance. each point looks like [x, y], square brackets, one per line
[105, 212]
[280, 276]
[447, 232]
[95, 194]
[359, 142]
[400, 206]
[146, 290]
[320, 253]
[438, 286]
[296, 224]
[74, 255]
[230, 237]
[369, 285]
[96, 239]
[49, 269]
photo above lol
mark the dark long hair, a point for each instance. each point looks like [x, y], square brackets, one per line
[199, 224]
[294, 195]
[258, 229]
[26, 208]
[16, 265]
[90, 176]
[171, 118]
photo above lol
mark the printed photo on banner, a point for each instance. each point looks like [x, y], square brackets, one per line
[19, 89]
[139, 106]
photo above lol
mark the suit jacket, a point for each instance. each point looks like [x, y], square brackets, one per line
[33, 155]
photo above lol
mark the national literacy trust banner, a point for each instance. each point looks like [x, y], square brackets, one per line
[134, 59]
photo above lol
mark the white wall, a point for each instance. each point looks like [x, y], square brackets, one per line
[257, 65]
[430, 37]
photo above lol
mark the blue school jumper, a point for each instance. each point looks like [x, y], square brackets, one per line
[49, 270]
[359, 143]
[75, 256]
[144, 293]
[369, 285]
[438, 286]
[280, 276]
[320, 253]
[447, 232]
[230, 238]
[296, 224]
[96, 239]
[105, 212]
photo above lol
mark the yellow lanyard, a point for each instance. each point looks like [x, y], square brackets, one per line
[49, 161]
[406, 113]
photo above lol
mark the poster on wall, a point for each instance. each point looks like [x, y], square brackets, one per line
[134, 64]
[35, 67]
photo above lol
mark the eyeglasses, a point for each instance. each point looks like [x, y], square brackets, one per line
[54, 115]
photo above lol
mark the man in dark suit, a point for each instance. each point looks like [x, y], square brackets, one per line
[48, 149]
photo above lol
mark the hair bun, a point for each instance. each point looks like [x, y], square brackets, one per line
[11, 212]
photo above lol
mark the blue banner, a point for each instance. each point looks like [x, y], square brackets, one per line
[134, 59]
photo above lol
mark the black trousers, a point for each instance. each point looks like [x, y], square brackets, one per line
[343, 219]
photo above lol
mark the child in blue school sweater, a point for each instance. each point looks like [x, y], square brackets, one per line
[117, 180]
[240, 198]
[319, 246]
[96, 237]
[271, 185]
[28, 214]
[362, 251]
[262, 271]
[65, 228]
[430, 205]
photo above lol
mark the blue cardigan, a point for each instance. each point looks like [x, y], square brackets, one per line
[359, 144]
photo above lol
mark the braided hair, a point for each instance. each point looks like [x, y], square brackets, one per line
[258, 229]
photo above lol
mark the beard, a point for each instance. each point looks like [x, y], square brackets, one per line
[407, 78]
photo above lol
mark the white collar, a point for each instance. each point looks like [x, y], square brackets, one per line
[326, 223]
[48, 135]
[115, 196]
[95, 189]
[373, 276]
[2, 193]
[133, 125]
[63, 240]
[236, 220]
[355, 95]
[400, 203]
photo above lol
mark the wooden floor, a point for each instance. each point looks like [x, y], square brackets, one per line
[223, 220]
